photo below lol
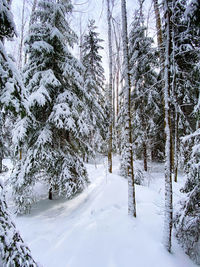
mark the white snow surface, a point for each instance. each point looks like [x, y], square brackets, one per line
[94, 229]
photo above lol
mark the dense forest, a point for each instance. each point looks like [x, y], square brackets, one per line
[58, 111]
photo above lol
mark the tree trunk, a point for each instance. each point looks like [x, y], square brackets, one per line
[175, 103]
[176, 142]
[159, 32]
[110, 88]
[1, 159]
[1, 143]
[168, 141]
[128, 129]
[21, 44]
[145, 156]
[50, 194]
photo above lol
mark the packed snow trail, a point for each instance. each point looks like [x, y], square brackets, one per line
[94, 230]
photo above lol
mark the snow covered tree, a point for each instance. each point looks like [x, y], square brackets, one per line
[94, 85]
[143, 61]
[187, 219]
[52, 135]
[13, 250]
[11, 87]
[128, 144]
[185, 85]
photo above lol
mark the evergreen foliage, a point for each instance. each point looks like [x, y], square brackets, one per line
[11, 87]
[145, 95]
[13, 250]
[52, 135]
[185, 70]
[7, 26]
[187, 219]
[94, 86]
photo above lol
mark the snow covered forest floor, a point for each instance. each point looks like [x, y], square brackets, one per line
[94, 230]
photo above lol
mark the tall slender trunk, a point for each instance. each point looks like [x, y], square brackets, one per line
[176, 144]
[159, 32]
[113, 100]
[21, 44]
[162, 63]
[117, 39]
[1, 157]
[110, 87]
[145, 155]
[175, 104]
[168, 141]
[128, 129]
[1, 143]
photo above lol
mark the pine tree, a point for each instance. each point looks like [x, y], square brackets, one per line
[94, 86]
[52, 135]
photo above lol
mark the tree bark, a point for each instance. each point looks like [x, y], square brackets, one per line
[1, 158]
[176, 143]
[110, 87]
[168, 141]
[50, 194]
[21, 44]
[159, 32]
[128, 129]
[145, 155]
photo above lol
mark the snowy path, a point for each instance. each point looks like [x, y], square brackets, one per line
[93, 229]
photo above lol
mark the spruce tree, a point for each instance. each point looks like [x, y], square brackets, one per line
[143, 61]
[187, 219]
[13, 250]
[52, 135]
[11, 88]
[94, 86]
[185, 82]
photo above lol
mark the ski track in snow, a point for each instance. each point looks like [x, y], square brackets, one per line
[94, 230]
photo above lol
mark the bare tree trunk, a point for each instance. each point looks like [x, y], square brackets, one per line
[1, 157]
[113, 99]
[1, 143]
[21, 44]
[128, 129]
[162, 61]
[145, 155]
[110, 87]
[159, 31]
[117, 39]
[50, 194]
[175, 103]
[168, 141]
[176, 142]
